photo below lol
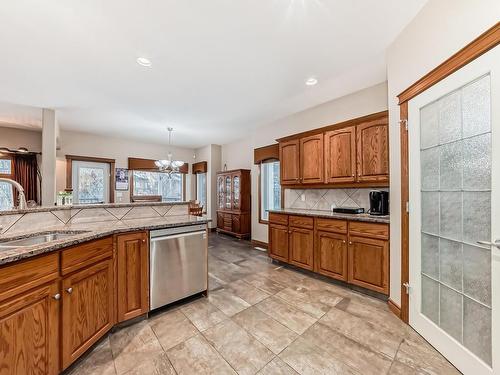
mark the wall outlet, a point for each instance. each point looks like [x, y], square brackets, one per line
[303, 197]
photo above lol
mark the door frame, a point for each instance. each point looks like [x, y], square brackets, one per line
[479, 46]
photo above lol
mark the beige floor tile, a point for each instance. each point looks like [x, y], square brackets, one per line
[308, 359]
[398, 368]
[265, 284]
[292, 318]
[265, 329]
[241, 350]
[247, 292]
[172, 328]
[159, 365]
[277, 367]
[227, 302]
[352, 353]
[362, 331]
[98, 361]
[304, 299]
[283, 276]
[196, 356]
[133, 344]
[203, 314]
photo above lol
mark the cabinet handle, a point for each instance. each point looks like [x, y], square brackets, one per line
[57, 297]
[69, 290]
[143, 241]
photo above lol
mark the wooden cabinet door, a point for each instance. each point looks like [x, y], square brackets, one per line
[302, 248]
[368, 263]
[132, 275]
[373, 151]
[87, 312]
[289, 162]
[278, 242]
[340, 155]
[29, 330]
[236, 223]
[228, 222]
[331, 255]
[311, 159]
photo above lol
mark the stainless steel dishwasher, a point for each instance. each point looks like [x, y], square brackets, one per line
[178, 263]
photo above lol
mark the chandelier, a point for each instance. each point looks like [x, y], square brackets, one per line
[168, 165]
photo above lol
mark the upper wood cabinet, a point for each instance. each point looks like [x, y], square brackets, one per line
[290, 162]
[340, 155]
[311, 159]
[132, 275]
[373, 151]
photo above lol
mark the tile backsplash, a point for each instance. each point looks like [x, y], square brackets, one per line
[325, 199]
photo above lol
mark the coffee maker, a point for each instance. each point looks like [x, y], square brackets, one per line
[379, 202]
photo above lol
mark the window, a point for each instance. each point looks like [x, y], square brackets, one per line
[270, 188]
[169, 187]
[201, 190]
[90, 182]
[6, 190]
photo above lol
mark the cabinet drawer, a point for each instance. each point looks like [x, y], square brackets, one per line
[372, 230]
[25, 275]
[278, 218]
[85, 254]
[331, 225]
[302, 222]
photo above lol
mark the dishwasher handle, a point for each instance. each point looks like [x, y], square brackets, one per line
[172, 236]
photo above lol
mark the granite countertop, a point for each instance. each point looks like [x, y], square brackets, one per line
[333, 215]
[90, 231]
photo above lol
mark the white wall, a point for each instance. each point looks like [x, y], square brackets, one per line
[212, 155]
[15, 138]
[440, 29]
[82, 144]
[240, 154]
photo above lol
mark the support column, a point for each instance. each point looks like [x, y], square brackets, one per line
[49, 144]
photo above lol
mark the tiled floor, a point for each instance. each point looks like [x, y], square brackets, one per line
[265, 319]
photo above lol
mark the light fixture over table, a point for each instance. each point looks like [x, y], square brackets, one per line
[169, 166]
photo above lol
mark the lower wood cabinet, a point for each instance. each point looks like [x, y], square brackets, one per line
[87, 308]
[278, 242]
[301, 244]
[132, 275]
[29, 330]
[368, 263]
[331, 255]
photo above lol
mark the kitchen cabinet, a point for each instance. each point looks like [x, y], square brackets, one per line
[372, 147]
[233, 197]
[29, 326]
[311, 159]
[87, 308]
[301, 242]
[132, 275]
[331, 255]
[278, 242]
[340, 155]
[289, 162]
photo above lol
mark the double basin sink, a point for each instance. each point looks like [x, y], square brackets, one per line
[37, 239]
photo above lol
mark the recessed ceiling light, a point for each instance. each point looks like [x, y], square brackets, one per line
[311, 81]
[143, 61]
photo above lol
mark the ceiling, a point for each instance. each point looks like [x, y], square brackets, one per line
[220, 68]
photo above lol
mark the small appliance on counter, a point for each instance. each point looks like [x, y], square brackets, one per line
[349, 210]
[379, 202]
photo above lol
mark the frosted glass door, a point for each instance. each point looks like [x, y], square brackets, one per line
[451, 194]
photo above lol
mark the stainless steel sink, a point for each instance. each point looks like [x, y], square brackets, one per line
[37, 239]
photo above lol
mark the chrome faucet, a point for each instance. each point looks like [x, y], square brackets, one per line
[20, 190]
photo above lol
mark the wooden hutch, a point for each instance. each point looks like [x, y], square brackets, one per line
[233, 202]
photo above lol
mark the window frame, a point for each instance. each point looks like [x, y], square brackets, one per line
[206, 189]
[262, 221]
[131, 187]
[10, 176]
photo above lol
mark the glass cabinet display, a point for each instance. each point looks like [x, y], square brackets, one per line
[228, 192]
[236, 192]
[220, 192]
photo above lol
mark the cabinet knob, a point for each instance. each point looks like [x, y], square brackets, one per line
[57, 297]
[143, 241]
[350, 243]
[343, 241]
[69, 290]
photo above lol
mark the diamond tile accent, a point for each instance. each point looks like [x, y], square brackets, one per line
[6, 221]
[141, 213]
[36, 221]
[162, 210]
[324, 199]
[90, 215]
[178, 209]
[118, 212]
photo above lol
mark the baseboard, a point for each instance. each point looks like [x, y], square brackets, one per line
[212, 229]
[261, 244]
[396, 310]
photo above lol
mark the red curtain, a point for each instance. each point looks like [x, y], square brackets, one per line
[26, 172]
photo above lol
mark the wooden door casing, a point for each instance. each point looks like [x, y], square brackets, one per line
[289, 162]
[132, 275]
[278, 242]
[87, 309]
[331, 256]
[340, 155]
[372, 149]
[29, 329]
[368, 263]
[311, 159]
[301, 248]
